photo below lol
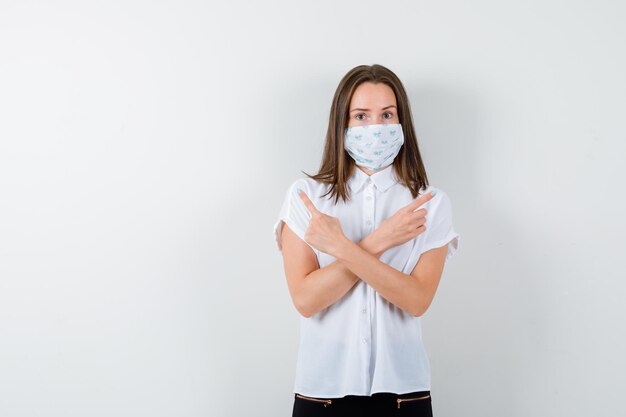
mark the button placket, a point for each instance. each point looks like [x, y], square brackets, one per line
[368, 221]
[369, 206]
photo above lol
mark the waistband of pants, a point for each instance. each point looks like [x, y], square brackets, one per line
[375, 395]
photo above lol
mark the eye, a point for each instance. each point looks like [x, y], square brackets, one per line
[360, 114]
[390, 115]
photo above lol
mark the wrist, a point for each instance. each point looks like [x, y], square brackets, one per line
[373, 245]
[343, 247]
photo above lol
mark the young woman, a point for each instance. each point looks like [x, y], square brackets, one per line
[364, 249]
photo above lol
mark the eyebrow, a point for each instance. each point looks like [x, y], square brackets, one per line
[384, 108]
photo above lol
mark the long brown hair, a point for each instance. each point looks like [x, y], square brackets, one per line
[337, 166]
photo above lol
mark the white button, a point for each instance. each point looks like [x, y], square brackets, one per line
[368, 222]
[364, 310]
[369, 180]
[364, 340]
[368, 197]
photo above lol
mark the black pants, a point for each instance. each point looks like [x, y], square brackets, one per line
[380, 404]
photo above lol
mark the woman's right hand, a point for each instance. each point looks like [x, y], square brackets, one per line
[406, 224]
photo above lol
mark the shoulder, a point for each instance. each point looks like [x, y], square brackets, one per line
[440, 197]
[310, 186]
[440, 205]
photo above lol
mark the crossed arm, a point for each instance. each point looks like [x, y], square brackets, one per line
[313, 288]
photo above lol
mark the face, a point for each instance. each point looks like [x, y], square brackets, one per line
[373, 104]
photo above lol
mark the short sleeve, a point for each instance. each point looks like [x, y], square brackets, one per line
[294, 213]
[439, 231]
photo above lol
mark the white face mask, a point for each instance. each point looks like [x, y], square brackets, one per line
[374, 146]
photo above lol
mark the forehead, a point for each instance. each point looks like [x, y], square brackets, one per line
[371, 96]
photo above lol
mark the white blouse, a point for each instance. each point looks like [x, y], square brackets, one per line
[363, 344]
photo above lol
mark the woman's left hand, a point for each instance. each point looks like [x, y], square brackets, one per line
[324, 232]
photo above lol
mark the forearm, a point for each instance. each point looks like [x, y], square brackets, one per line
[396, 287]
[324, 286]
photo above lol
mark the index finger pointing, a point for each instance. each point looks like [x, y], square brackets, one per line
[412, 206]
[308, 203]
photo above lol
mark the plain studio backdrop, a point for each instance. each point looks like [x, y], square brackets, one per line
[146, 148]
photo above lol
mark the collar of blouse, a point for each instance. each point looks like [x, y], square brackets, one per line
[382, 179]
